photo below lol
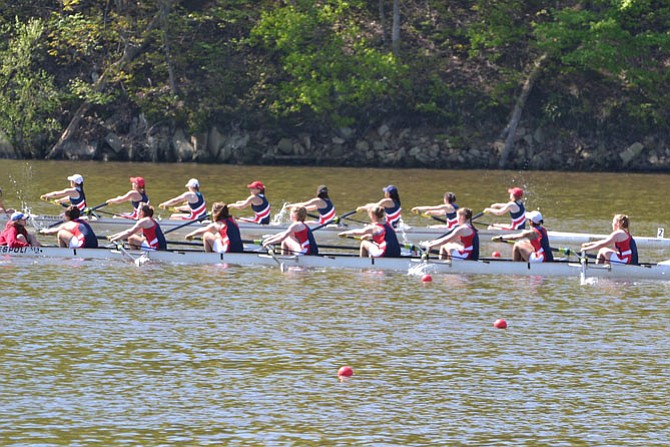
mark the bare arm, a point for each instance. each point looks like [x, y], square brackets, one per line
[177, 200]
[310, 205]
[142, 223]
[243, 203]
[607, 242]
[127, 197]
[384, 203]
[211, 228]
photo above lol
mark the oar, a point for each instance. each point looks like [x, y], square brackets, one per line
[186, 224]
[336, 220]
[430, 216]
[90, 211]
[271, 252]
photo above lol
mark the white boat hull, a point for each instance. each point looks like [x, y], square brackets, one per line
[659, 271]
[105, 226]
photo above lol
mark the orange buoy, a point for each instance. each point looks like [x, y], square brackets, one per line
[500, 324]
[426, 278]
[496, 254]
[345, 371]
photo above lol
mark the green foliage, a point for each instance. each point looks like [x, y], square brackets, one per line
[28, 98]
[328, 68]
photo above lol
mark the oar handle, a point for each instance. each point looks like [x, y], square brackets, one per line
[336, 220]
[186, 224]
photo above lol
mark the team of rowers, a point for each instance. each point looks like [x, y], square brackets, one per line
[378, 238]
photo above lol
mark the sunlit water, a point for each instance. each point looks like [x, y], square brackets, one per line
[108, 353]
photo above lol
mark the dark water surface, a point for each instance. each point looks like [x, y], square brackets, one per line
[107, 353]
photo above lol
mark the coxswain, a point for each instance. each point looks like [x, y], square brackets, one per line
[297, 239]
[390, 203]
[378, 238]
[222, 235]
[191, 204]
[136, 196]
[73, 232]
[531, 245]
[321, 204]
[446, 210]
[74, 195]
[146, 234]
[258, 202]
[617, 248]
[462, 242]
[514, 207]
[15, 234]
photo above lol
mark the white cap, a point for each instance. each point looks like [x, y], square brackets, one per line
[193, 183]
[534, 216]
[18, 215]
[78, 179]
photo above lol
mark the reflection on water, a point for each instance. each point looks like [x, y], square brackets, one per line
[108, 353]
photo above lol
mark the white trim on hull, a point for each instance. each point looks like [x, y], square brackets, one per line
[659, 271]
[105, 226]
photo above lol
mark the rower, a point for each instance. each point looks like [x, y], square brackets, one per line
[136, 196]
[514, 207]
[222, 235]
[15, 233]
[619, 247]
[191, 204]
[321, 203]
[447, 210]
[533, 244]
[460, 243]
[297, 239]
[390, 203]
[146, 234]
[74, 232]
[258, 202]
[74, 195]
[378, 238]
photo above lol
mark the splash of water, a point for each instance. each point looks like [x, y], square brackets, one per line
[282, 216]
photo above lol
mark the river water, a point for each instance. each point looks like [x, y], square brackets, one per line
[107, 353]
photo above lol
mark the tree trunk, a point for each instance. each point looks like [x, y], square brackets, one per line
[395, 32]
[509, 132]
[382, 21]
[129, 53]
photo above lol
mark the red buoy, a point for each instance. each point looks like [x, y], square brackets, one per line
[496, 254]
[345, 371]
[500, 324]
[426, 278]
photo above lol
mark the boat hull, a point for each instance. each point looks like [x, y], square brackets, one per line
[106, 226]
[659, 271]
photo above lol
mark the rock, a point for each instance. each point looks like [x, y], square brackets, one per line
[184, 151]
[199, 143]
[285, 146]
[114, 142]
[631, 152]
[338, 140]
[362, 146]
[383, 130]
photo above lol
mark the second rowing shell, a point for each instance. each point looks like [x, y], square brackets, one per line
[105, 226]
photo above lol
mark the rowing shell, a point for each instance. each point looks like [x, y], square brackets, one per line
[660, 271]
[104, 226]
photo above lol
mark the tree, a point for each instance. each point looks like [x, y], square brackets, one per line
[28, 98]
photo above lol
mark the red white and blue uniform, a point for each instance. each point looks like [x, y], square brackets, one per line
[327, 213]
[626, 250]
[136, 206]
[470, 245]
[262, 211]
[385, 238]
[79, 202]
[230, 241]
[306, 240]
[198, 209]
[541, 248]
[452, 218]
[518, 218]
[155, 239]
[83, 235]
[393, 214]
